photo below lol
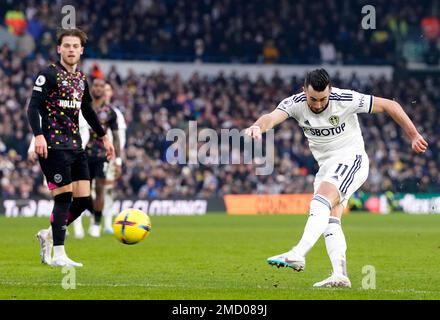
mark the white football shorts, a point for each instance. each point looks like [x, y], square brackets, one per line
[347, 172]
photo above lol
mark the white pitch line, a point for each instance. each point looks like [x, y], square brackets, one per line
[147, 285]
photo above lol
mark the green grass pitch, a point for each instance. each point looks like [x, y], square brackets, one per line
[224, 257]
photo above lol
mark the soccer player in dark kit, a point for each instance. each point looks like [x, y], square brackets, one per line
[96, 154]
[59, 93]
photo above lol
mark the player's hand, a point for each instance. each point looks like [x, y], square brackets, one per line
[109, 149]
[418, 144]
[41, 146]
[253, 132]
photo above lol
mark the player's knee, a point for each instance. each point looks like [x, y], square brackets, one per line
[83, 203]
[65, 197]
[63, 201]
[337, 211]
[320, 205]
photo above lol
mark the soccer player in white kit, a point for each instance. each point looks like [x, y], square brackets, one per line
[328, 117]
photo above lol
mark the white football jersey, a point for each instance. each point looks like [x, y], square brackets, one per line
[122, 128]
[334, 131]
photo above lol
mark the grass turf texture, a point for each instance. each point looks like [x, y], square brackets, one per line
[224, 257]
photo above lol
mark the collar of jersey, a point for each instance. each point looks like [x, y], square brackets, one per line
[58, 63]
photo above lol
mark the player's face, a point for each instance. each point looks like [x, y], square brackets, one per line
[317, 100]
[108, 93]
[70, 50]
[98, 86]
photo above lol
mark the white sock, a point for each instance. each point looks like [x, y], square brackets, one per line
[108, 205]
[317, 222]
[58, 251]
[336, 246]
[78, 226]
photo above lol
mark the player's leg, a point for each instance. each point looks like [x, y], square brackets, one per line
[98, 205]
[321, 205]
[82, 199]
[98, 202]
[63, 200]
[336, 249]
[334, 235]
[107, 212]
[56, 168]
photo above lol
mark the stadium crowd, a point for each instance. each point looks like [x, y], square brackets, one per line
[154, 103]
[264, 31]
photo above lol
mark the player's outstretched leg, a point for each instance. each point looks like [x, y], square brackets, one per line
[79, 205]
[320, 208]
[336, 249]
[288, 259]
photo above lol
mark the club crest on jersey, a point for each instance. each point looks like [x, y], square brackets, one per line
[81, 84]
[58, 178]
[334, 120]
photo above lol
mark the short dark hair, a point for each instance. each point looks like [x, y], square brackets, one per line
[319, 79]
[73, 33]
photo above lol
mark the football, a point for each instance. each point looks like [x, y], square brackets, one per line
[131, 226]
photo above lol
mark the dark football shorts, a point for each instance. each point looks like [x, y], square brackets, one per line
[97, 168]
[62, 167]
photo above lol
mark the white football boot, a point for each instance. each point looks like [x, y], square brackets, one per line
[335, 280]
[64, 261]
[95, 230]
[44, 236]
[288, 259]
[78, 228]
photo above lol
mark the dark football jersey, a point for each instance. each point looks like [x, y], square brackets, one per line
[108, 120]
[63, 94]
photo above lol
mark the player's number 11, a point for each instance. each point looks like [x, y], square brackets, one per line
[339, 167]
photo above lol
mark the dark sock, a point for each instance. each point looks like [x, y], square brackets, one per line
[79, 205]
[98, 216]
[58, 217]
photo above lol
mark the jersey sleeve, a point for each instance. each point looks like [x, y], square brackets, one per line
[113, 125]
[291, 106]
[84, 130]
[89, 114]
[43, 86]
[360, 103]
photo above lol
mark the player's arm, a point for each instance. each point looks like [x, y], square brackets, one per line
[266, 122]
[84, 130]
[114, 127]
[43, 84]
[92, 119]
[115, 133]
[396, 112]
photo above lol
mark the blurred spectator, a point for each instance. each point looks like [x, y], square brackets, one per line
[432, 54]
[270, 52]
[154, 103]
[231, 31]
